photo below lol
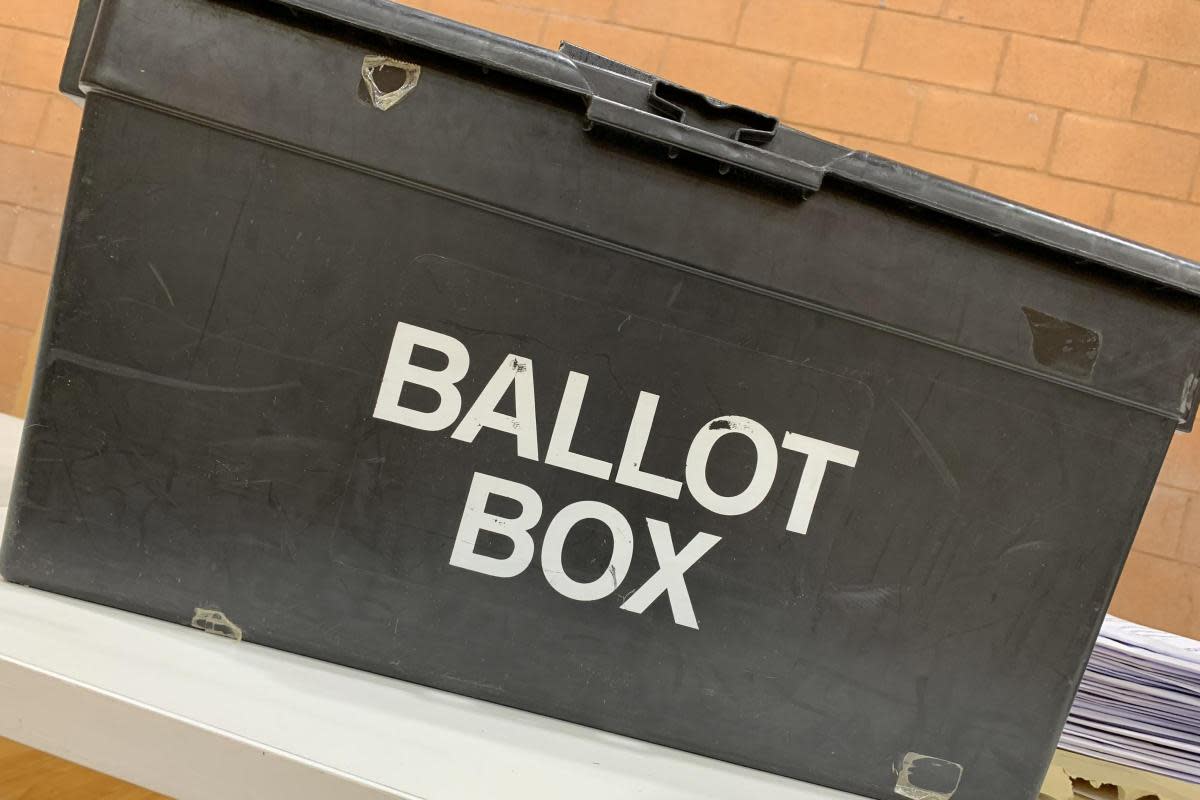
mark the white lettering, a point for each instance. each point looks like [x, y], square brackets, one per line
[400, 370]
[820, 454]
[558, 453]
[629, 470]
[475, 518]
[669, 578]
[766, 464]
[517, 372]
[556, 537]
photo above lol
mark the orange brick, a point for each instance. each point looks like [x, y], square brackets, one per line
[1164, 28]
[14, 350]
[987, 128]
[1196, 187]
[851, 101]
[735, 76]
[638, 48]
[22, 297]
[1166, 224]
[7, 35]
[702, 19]
[1189, 541]
[1182, 466]
[34, 61]
[576, 8]
[33, 179]
[820, 133]
[1162, 526]
[818, 30]
[1126, 155]
[952, 167]
[60, 127]
[8, 401]
[34, 240]
[1160, 593]
[1081, 202]
[1055, 18]
[1071, 76]
[21, 112]
[48, 16]
[934, 50]
[913, 6]
[1170, 96]
[519, 23]
[8, 224]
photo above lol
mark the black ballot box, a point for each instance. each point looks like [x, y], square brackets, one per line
[535, 378]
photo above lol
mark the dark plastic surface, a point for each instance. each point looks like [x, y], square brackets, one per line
[247, 228]
[85, 23]
[967, 304]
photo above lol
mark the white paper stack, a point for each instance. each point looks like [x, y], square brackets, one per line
[1139, 702]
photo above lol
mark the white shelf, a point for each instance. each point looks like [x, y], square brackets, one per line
[194, 715]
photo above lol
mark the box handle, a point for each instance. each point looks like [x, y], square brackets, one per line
[706, 113]
[735, 141]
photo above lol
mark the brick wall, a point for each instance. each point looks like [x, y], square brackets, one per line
[1086, 108]
[37, 137]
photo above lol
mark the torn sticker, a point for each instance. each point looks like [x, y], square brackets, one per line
[927, 778]
[1063, 346]
[210, 620]
[388, 81]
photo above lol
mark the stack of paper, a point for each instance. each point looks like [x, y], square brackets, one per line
[1139, 702]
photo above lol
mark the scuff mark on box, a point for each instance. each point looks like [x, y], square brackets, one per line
[211, 620]
[927, 778]
[388, 81]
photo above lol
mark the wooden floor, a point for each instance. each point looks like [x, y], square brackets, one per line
[27, 774]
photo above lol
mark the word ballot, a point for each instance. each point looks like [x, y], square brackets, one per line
[515, 376]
